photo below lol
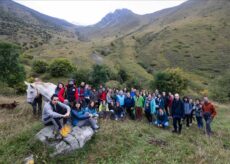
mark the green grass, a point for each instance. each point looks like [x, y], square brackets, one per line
[118, 142]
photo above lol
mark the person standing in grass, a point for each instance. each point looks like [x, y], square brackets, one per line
[187, 111]
[209, 112]
[153, 107]
[139, 104]
[198, 113]
[147, 107]
[129, 104]
[177, 113]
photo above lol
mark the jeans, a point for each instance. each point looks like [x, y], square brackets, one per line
[148, 116]
[199, 121]
[88, 122]
[138, 113]
[188, 119]
[177, 122]
[208, 125]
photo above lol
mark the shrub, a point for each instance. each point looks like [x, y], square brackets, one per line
[11, 70]
[39, 66]
[170, 80]
[100, 74]
[81, 75]
[123, 76]
[133, 83]
[60, 67]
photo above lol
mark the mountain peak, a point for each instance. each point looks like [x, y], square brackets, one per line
[116, 17]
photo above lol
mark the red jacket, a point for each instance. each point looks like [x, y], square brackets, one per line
[103, 96]
[209, 108]
[170, 101]
[61, 95]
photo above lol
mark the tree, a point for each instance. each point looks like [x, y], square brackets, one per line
[39, 66]
[100, 74]
[123, 76]
[11, 71]
[81, 75]
[170, 80]
[60, 67]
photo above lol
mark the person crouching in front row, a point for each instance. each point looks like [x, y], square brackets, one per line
[162, 119]
[54, 111]
[80, 118]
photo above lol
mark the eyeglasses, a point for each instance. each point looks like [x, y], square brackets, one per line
[55, 99]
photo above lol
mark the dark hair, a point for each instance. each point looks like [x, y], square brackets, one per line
[197, 99]
[74, 104]
[54, 95]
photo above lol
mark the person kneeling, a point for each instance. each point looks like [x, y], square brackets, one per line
[80, 118]
[162, 119]
[54, 111]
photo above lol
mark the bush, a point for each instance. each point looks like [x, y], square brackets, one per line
[11, 70]
[60, 67]
[100, 74]
[133, 83]
[39, 66]
[170, 80]
[113, 84]
[123, 76]
[81, 75]
[220, 88]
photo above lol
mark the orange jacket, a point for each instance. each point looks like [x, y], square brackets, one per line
[209, 108]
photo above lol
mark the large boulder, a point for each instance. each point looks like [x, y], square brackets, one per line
[76, 139]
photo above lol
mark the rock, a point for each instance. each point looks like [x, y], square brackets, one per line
[76, 139]
[29, 160]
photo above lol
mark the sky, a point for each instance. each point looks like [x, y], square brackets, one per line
[90, 12]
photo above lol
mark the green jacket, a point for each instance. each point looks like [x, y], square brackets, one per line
[139, 101]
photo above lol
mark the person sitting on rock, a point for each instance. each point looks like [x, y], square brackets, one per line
[54, 111]
[162, 119]
[80, 118]
[92, 110]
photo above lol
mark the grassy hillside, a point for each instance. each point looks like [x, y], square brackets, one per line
[116, 142]
[193, 36]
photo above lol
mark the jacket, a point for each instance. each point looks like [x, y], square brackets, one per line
[77, 116]
[49, 111]
[209, 108]
[177, 108]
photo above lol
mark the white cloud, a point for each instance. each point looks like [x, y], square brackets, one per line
[90, 12]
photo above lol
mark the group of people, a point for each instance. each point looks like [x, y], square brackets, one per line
[83, 106]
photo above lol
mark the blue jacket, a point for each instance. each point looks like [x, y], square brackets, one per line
[129, 102]
[87, 93]
[77, 116]
[147, 105]
[177, 109]
[132, 94]
[153, 106]
[187, 108]
[92, 111]
[162, 119]
[121, 99]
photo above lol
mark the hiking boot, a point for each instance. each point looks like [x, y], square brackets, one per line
[174, 131]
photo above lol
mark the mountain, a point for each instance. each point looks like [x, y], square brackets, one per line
[118, 23]
[28, 27]
[193, 36]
